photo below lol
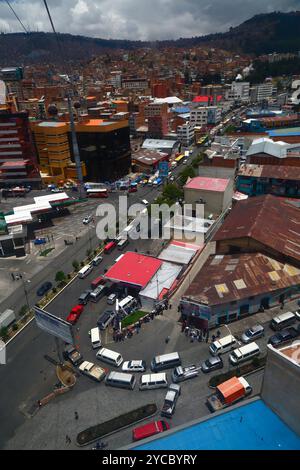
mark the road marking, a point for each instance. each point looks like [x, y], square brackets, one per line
[28, 261]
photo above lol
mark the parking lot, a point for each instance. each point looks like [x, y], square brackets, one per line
[96, 403]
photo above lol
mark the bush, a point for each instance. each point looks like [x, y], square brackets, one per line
[82, 263]
[15, 327]
[75, 265]
[256, 363]
[60, 277]
[23, 310]
[4, 333]
[54, 290]
[69, 276]
[108, 427]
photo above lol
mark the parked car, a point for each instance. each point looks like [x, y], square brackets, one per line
[44, 288]
[112, 298]
[212, 363]
[297, 314]
[253, 333]
[149, 429]
[71, 354]
[180, 374]
[75, 314]
[87, 220]
[97, 260]
[171, 398]
[84, 297]
[93, 371]
[39, 241]
[134, 366]
[284, 336]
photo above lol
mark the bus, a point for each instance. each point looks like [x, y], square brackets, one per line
[109, 247]
[180, 158]
[101, 192]
[203, 140]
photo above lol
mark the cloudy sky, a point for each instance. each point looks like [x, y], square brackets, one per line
[137, 19]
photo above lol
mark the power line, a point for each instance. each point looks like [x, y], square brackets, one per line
[26, 31]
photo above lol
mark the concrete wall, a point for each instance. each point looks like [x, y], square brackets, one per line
[281, 388]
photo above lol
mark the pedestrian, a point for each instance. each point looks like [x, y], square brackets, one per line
[76, 415]
[167, 339]
[182, 326]
[213, 338]
[13, 277]
[68, 440]
[218, 334]
[186, 331]
[170, 306]
[207, 336]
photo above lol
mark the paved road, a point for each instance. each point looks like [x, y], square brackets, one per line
[96, 402]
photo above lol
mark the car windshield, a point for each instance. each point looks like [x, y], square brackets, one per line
[249, 333]
[213, 347]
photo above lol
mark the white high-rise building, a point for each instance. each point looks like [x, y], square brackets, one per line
[205, 115]
[186, 133]
[240, 90]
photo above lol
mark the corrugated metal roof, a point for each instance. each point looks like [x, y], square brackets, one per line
[253, 275]
[271, 220]
[282, 172]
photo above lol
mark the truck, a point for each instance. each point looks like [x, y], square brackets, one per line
[7, 318]
[93, 371]
[228, 393]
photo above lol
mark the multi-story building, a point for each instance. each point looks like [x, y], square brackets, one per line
[18, 159]
[207, 115]
[261, 92]
[116, 78]
[186, 134]
[158, 126]
[156, 109]
[240, 91]
[135, 83]
[52, 143]
[104, 148]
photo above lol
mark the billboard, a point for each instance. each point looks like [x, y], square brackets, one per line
[163, 168]
[53, 325]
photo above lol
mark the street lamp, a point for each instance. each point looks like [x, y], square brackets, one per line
[25, 290]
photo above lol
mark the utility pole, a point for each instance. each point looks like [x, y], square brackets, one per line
[75, 144]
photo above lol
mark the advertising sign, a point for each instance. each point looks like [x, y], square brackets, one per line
[163, 168]
[53, 325]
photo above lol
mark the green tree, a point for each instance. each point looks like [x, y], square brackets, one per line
[188, 172]
[60, 277]
[4, 333]
[23, 310]
[75, 265]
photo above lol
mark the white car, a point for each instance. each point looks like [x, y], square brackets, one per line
[134, 366]
[87, 220]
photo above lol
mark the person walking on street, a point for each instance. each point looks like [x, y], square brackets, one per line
[207, 336]
[76, 415]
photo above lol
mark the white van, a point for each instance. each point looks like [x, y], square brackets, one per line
[121, 380]
[166, 361]
[223, 345]
[95, 338]
[111, 357]
[97, 293]
[122, 243]
[151, 381]
[244, 353]
[282, 321]
[85, 271]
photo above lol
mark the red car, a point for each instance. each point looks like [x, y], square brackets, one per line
[75, 314]
[96, 282]
[150, 429]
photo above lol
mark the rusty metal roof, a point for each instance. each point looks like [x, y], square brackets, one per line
[282, 172]
[228, 278]
[270, 220]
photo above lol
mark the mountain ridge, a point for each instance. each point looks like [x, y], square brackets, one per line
[261, 34]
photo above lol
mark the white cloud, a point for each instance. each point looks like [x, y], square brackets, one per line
[137, 19]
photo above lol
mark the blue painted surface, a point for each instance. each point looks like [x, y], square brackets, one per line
[282, 132]
[252, 426]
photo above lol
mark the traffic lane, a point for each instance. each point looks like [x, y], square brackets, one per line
[25, 378]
